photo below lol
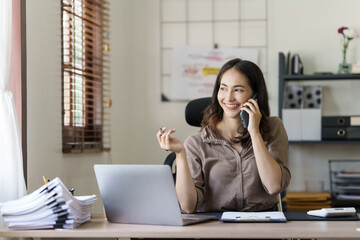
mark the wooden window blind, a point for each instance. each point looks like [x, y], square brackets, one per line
[86, 81]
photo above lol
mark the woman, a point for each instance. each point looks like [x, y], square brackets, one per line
[226, 167]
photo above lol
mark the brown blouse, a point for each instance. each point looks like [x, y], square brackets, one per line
[228, 181]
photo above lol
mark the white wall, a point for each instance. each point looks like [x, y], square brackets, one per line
[45, 155]
[307, 27]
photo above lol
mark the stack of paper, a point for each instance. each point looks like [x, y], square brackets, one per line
[346, 186]
[305, 201]
[50, 206]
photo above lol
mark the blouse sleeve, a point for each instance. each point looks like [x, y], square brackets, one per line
[278, 147]
[192, 146]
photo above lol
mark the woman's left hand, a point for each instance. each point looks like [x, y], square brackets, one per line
[254, 115]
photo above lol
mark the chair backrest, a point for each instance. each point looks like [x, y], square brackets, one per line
[170, 161]
[194, 111]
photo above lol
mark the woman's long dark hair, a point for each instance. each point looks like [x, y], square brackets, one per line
[213, 113]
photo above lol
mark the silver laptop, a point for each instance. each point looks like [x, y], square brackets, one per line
[143, 194]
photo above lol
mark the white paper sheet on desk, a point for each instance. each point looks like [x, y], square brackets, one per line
[253, 217]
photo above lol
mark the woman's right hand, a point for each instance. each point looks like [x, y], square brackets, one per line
[168, 142]
[185, 188]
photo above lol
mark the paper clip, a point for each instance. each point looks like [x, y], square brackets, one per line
[252, 219]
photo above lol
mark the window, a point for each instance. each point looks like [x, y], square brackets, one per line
[85, 82]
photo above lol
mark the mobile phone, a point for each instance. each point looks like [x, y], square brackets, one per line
[245, 116]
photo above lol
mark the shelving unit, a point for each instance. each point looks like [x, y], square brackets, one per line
[345, 182]
[284, 78]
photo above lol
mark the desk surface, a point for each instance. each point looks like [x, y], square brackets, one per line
[100, 228]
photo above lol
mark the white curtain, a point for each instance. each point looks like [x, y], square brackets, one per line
[12, 183]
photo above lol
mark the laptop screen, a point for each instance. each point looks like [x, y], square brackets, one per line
[142, 194]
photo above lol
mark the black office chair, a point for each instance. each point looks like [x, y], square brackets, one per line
[193, 116]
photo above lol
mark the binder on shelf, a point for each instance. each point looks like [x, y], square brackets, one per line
[353, 133]
[50, 206]
[335, 121]
[340, 133]
[340, 121]
[333, 133]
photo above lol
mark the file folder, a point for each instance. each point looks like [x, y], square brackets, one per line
[239, 217]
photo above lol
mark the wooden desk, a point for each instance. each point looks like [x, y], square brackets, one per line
[100, 228]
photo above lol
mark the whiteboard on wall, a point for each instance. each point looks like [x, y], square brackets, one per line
[221, 23]
[194, 69]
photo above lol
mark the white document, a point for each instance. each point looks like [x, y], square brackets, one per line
[333, 212]
[253, 217]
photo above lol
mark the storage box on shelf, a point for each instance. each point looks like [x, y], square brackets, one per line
[302, 112]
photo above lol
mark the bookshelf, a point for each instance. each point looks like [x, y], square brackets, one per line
[285, 78]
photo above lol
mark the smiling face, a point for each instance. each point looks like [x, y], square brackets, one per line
[234, 91]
